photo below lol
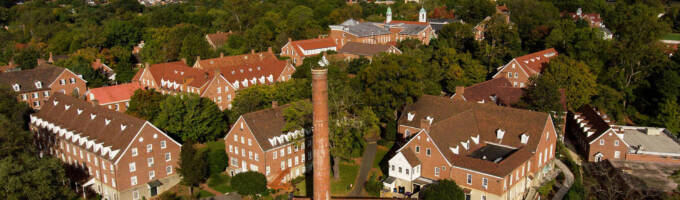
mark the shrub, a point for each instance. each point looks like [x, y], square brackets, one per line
[249, 183]
[443, 190]
[217, 161]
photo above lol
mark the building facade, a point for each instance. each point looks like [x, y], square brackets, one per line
[300, 49]
[256, 142]
[492, 152]
[36, 86]
[122, 156]
[519, 69]
[116, 97]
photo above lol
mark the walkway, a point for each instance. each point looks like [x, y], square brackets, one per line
[207, 188]
[568, 180]
[366, 165]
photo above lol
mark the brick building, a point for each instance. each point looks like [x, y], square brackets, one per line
[300, 49]
[386, 32]
[492, 152]
[519, 69]
[256, 143]
[598, 139]
[353, 50]
[497, 91]
[116, 97]
[105, 69]
[123, 157]
[35, 86]
[216, 40]
[479, 29]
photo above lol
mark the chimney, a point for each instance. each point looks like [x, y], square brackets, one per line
[269, 49]
[221, 55]
[50, 59]
[425, 124]
[252, 51]
[146, 64]
[460, 90]
[290, 40]
[184, 60]
[98, 61]
[320, 148]
[198, 58]
[275, 104]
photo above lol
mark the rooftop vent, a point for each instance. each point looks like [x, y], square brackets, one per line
[475, 139]
[500, 133]
[524, 138]
[92, 116]
[107, 121]
[122, 127]
[455, 150]
[55, 102]
[79, 111]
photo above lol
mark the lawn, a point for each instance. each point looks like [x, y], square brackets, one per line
[220, 182]
[348, 173]
[672, 36]
[204, 194]
[379, 156]
[302, 188]
[219, 144]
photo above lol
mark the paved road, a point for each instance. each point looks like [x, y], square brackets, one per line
[568, 180]
[366, 165]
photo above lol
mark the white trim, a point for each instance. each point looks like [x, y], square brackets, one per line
[604, 133]
[435, 145]
[478, 172]
[136, 135]
[506, 65]
[656, 153]
[248, 127]
[115, 102]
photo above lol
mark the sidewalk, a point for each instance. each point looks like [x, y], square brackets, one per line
[568, 180]
[366, 165]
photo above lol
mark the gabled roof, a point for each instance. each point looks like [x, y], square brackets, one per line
[499, 88]
[251, 58]
[411, 157]
[264, 67]
[98, 64]
[594, 121]
[311, 44]
[180, 73]
[457, 122]
[45, 73]
[266, 124]
[219, 38]
[115, 93]
[361, 29]
[87, 122]
[535, 62]
[363, 49]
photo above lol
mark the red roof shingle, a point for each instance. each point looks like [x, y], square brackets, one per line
[115, 93]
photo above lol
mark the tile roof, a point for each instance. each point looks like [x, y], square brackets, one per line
[266, 124]
[594, 121]
[115, 93]
[216, 63]
[455, 122]
[97, 64]
[219, 38]
[247, 69]
[499, 88]
[301, 45]
[96, 128]
[180, 73]
[45, 73]
[536, 61]
[649, 141]
[363, 49]
[410, 157]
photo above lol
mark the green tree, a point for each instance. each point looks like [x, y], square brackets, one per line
[14, 110]
[473, 11]
[192, 166]
[542, 95]
[297, 116]
[669, 115]
[81, 66]
[28, 177]
[145, 104]
[27, 58]
[533, 19]
[249, 183]
[573, 76]
[442, 190]
[261, 96]
[189, 117]
[217, 161]
[195, 45]
[122, 33]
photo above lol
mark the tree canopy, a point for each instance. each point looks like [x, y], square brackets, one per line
[249, 183]
[442, 190]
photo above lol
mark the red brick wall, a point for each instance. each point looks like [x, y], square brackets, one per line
[608, 148]
[69, 87]
[243, 135]
[651, 158]
[521, 75]
[435, 159]
[289, 51]
[287, 73]
[226, 92]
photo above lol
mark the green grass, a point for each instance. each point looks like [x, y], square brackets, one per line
[219, 144]
[204, 194]
[220, 182]
[348, 173]
[672, 36]
[302, 187]
[380, 154]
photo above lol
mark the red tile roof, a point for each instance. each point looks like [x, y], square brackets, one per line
[180, 73]
[499, 88]
[111, 94]
[300, 45]
[219, 38]
[97, 64]
[216, 63]
[264, 67]
[535, 62]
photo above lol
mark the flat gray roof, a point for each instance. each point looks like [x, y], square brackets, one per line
[660, 143]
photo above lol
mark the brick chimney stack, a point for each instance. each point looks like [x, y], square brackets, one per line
[320, 148]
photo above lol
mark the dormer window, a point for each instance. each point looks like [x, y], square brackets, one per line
[16, 87]
[500, 133]
[524, 138]
[38, 84]
[410, 116]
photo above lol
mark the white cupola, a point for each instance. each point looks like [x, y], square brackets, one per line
[422, 17]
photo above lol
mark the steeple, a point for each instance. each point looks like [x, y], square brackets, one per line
[388, 15]
[423, 15]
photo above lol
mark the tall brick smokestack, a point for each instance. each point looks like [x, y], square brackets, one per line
[320, 148]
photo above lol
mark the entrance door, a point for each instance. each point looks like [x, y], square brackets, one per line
[154, 191]
[598, 157]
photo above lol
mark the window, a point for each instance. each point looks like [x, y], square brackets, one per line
[617, 154]
[219, 90]
[485, 183]
[616, 143]
[72, 80]
[483, 197]
[469, 179]
[231, 148]
[399, 169]
[168, 170]
[168, 156]
[267, 170]
[134, 152]
[234, 162]
[516, 75]
[103, 164]
[243, 153]
[436, 171]
[149, 162]
[113, 182]
[417, 149]
[163, 144]
[236, 150]
[117, 107]
[290, 162]
[290, 150]
[24, 97]
[133, 181]
[250, 142]
[257, 157]
[428, 152]
[62, 82]
[235, 138]
[16, 87]
[509, 74]
[282, 152]
[36, 103]
[296, 160]
[133, 167]
[35, 95]
[406, 171]
[243, 140]
[283, 165]
[468, 197]
[149, 148]
[601, 141]
[250, 155]
[46, 93]
[152, 175]
[274, 156]
[297, 147]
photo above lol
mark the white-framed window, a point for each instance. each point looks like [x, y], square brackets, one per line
[16, 87]
[134, 152]
[133, 181]
[617, 154]
[62, 82]
[257, 157]
[290, 150]
[163, 144]
[290, 162]
[231, 148]
[24, 97]
[283, 165]
[407, 171]
[297, 148]
[113, 182]
[133, 167]
[436, 171]
[282, 152]
[152, 175]
[36, 103]
[243, 153]
[616, 143]
[243, 140]
[296, 160]
[274, 155]
[417, 149]
[428, 151]
[392, 167]
[168, 157]
[509, 74]
[601, 141]
[46, 93]
[267, 170]
[250, 155]
[72, 80]
[236, 150]
[234, 162]
[469, 179]
[219, 90]
[149, 162]
[168, 170]
[485, 183]
[88, 157]
[250, 142]
[35, 95]
[235, 138]
[516, 75]
[149, 148]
